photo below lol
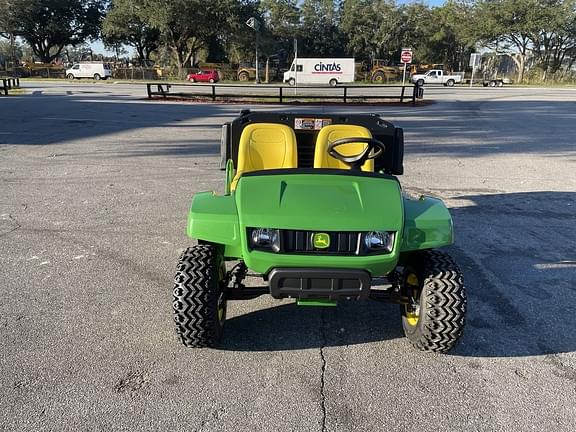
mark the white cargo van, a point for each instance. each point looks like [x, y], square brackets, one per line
[96, 70]
[331, 71]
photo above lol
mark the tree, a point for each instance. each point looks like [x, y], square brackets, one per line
[544, 28]
[371, 28]
[506, 26]
[187, 25]
[10, 51]
[281, 19]
[239, 41]
[49, 25]
[413, 29]
[123, 24]
[554, 36]
[449, 40]
[321, 32]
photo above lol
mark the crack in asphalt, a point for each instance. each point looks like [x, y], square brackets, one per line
[323, 370]
[17, 227]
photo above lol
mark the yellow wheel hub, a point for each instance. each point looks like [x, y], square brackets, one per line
[412, 318]
[412, 279]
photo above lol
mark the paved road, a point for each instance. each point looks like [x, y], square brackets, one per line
[94, 187]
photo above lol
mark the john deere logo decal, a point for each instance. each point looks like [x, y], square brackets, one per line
[321, 240]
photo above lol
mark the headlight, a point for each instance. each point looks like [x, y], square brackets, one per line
[265, 238]
[379, 241]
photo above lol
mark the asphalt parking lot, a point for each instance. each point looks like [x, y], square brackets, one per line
[95, 182]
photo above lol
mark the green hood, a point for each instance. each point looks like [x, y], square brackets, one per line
[320, 202]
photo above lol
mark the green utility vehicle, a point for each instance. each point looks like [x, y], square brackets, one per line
[313, 206]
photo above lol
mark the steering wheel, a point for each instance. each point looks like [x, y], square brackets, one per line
[374, 148]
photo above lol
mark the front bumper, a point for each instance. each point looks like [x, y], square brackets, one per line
[311, 283]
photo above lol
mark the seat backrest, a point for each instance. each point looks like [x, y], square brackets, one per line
[265, 146]
[331, 133]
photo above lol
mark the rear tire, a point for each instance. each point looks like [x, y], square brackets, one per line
[211, 80]
[97, 77]
[492, 84]
[450, 83]
[243, 76]
[378, 77]
[435, 321]
[333, 82]
[199, 296]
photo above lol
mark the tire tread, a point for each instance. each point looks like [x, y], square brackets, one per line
[195, 297]
[442, 324]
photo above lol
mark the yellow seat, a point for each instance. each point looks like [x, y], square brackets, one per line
[265, 146]
[331, 133]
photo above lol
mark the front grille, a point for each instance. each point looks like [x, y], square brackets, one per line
[341, 243]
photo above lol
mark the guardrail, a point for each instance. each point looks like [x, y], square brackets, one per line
[9, 83]
[283, 94]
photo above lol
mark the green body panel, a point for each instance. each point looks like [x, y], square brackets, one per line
[213, 218]
[316, 302]
[319, 203]
[427, 224]
[229, 175]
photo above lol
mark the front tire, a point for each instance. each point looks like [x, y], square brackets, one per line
[434, 321]
[70, 77]
[420, 82]
[199, 296]
[291, 82]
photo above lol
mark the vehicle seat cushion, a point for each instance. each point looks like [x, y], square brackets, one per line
[331, 133]
[266, 146]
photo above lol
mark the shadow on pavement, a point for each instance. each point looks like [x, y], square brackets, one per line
[472, 130]
[292, 327]
[519, 261]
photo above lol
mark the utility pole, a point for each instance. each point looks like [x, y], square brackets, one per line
[295, 64]
[254, 24]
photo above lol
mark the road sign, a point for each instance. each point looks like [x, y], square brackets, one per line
[253, 23]
[474, 60]
[406, 56]
[474, 64]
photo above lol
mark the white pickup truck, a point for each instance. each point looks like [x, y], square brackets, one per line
[436, 76]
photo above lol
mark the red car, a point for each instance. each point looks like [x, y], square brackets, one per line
[203, 76]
